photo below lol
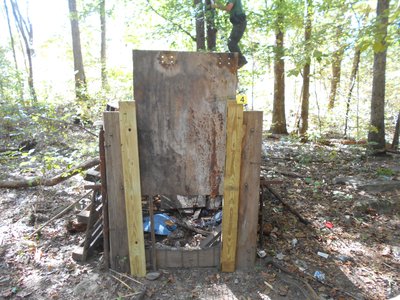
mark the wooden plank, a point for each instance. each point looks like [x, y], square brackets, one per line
[181, 104]
[234, 129]
[182, 258]
[118, 236]
[249, 190]
[133, 196]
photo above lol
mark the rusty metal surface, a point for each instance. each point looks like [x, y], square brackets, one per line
[181, 113]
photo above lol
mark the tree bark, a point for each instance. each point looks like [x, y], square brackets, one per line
[211, 29]
[353, 77]
[395, 143]
[200, 29]
[36, 181]
[305, 102]
[103, 50]
[80, 78]
[336, 68]
[376, 135]
[278, 125]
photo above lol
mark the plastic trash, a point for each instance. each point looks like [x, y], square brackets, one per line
[161, 224]
[343, 258]
[261, 253]
[329, 225]
[218, 217]
[322, 254]
[320, 276]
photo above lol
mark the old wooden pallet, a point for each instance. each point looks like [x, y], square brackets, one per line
[94, 229]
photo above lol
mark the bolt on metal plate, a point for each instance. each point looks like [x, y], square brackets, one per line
[167, 59]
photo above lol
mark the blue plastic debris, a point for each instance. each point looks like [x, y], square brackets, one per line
[160, 225]
[218, 217]
[320, 276]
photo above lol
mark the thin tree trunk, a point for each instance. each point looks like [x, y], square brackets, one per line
[353, 77]
[200, 30]
[336, 68]
[27, 35]
[278, 125]
[395, 143]
[211, 29]
[103, 51]
[376, 135]
[80, 78]
[20, 86]
[305, 103]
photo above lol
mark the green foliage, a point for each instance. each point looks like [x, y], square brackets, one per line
[56, 143]
[385, 172]
[10, 79]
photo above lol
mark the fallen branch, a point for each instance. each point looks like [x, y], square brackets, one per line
[126, 276]
[291, 209]
[36, 181]
[59, 214]
[125, 284]
[285, 173]
[271, 261]
[311, 293]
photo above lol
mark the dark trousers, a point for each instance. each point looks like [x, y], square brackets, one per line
[234, 38]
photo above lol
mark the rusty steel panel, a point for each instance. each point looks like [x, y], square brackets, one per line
[181, 113]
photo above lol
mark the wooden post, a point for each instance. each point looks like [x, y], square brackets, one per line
[106, 241]
[249, 190]
[118, 236]
[231, 185]
[133, 197]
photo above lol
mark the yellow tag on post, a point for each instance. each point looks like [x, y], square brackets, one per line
[241, 99]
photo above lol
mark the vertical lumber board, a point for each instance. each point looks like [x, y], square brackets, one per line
[118, 236]
[230, 208]
[249, 190]
[133, 197]
[104, 200]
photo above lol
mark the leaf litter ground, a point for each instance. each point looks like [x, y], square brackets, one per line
[352, 242]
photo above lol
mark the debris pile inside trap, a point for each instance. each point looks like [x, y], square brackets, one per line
[184, 222]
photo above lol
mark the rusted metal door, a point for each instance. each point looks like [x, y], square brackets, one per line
[181, 113]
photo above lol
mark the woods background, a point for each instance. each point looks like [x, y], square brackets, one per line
[317, 68]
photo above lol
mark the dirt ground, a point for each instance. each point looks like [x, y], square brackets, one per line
[345, 245]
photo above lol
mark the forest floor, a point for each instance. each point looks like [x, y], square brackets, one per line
[349, 235]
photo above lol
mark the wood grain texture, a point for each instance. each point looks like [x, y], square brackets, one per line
[234, 134]
[133, 196]
[249, 190]
[178, 258]
[181, 104]
[118, 236]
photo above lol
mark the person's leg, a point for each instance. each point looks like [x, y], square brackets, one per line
[234, 38]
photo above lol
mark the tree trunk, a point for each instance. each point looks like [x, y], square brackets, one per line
[376, 135]
[211, 29]
[103, 51]
[336, 68]
[278, 125]
[20, 85]
[200, 31]
[25, 28]
[353, 76]
[80, 78]
[305, 103]
[395, 143]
